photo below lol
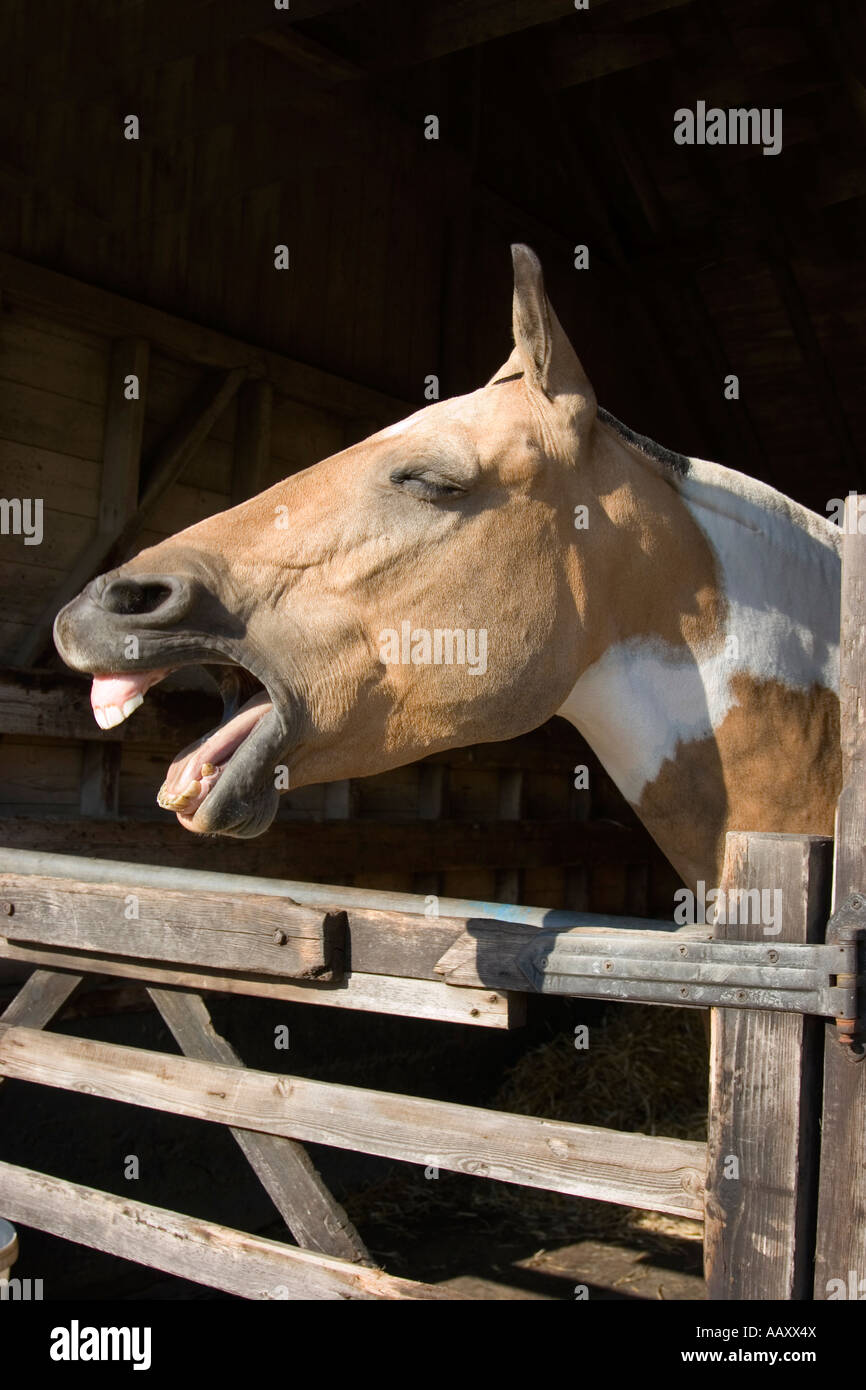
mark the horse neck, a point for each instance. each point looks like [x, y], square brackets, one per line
[717, 710]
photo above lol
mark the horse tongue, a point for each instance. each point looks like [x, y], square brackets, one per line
[184, 780]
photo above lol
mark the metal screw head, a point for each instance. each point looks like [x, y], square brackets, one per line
[681, 950]
[856, 902]
[9, 909]
[608, 965]
[772, 955]
[280, 937]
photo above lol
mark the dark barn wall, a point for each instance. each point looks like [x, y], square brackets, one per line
[260, 127]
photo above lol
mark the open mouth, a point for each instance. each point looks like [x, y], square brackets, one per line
[236, 756]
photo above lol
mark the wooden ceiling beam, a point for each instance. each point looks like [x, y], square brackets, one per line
[573, 59]
[53, 294]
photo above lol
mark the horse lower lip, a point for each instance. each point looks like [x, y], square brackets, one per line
[215, 751]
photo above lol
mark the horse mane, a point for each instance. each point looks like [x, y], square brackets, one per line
[669, 458]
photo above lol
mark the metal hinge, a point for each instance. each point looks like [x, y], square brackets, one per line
[847, 928]
[786, 977]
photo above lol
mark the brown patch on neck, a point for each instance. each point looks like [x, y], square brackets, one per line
[649, 568]
[774, 764]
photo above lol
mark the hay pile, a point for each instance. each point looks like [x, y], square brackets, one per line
[645, 1070]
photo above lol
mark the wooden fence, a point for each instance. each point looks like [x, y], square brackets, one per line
[780, 1184]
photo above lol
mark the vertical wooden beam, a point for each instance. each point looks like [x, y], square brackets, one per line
[315, 1218]
[840, 1252]
[100, 780]
[40, 998]
[118, 498]
[124, 423]
[764, 1087]
[252, 445]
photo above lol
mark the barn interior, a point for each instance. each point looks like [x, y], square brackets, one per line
[147, 246]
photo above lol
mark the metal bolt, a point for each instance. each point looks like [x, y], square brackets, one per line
[473, 1013]
[856, 902]
[280, 937]
[608, 965]
[773, 955]
[493, 998]
[684, 991]
[9, 909]
[544, 962]
[682, 950]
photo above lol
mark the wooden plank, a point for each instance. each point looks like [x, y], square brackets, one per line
[335, 849]
[635, 1169]
[486, 953]
[764, 1084]
[314, 1217]
[841, 1237]
[252, 440]
[258, 933]
[570, 60]
[41, 997]
[381, 994]
[245, 1265]
[124, 423]
[58, 295]
[100, 780]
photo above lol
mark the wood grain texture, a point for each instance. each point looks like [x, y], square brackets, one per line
[222, 1258]
[841, 1241]
[252, 932]
[635, 1169]
[312, 1214]
[99, 310]
[764, 1087]
[41, 997]
[384, 994]
[336, 849]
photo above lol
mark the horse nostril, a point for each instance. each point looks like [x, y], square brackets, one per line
[163, 599]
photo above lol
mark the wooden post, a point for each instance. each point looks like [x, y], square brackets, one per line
[252, 443]
[764, 1085]
[100, 780]
[840, 1253]
[314, 1217]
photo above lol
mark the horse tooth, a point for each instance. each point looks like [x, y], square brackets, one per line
[99, 716]
[207, 770]
[131, 704]
[112, 716]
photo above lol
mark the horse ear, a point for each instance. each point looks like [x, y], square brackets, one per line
[549, 360]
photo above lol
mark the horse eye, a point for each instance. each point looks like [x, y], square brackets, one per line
[429, 489]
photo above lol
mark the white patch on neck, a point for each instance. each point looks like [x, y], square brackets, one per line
[780, 573]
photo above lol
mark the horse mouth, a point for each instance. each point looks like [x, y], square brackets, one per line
[225, 781]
